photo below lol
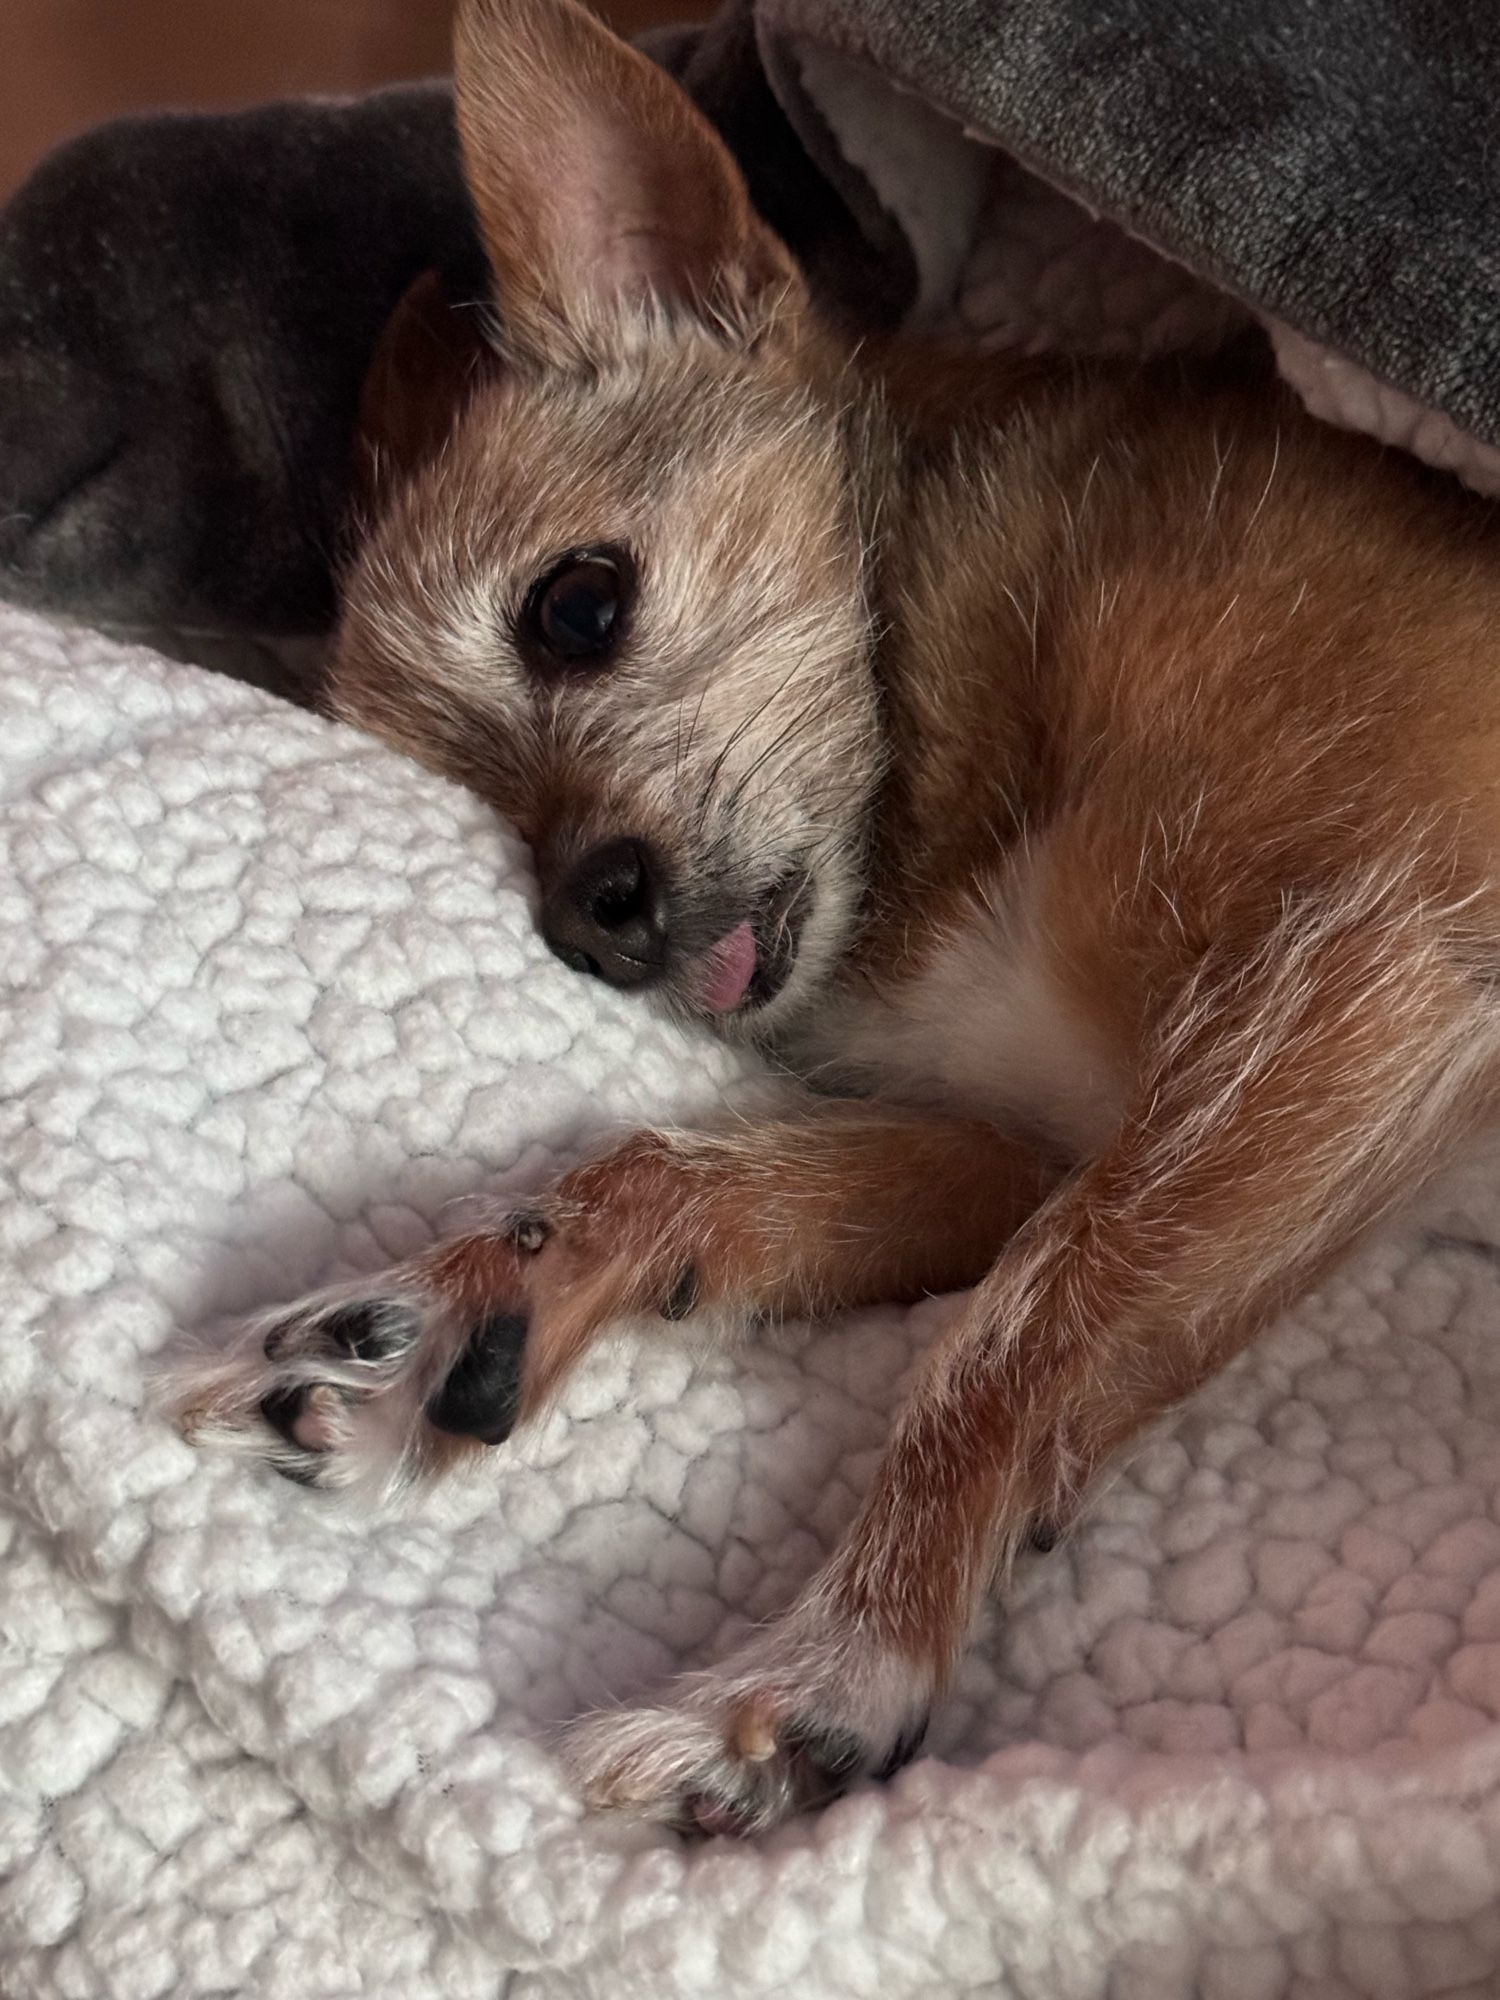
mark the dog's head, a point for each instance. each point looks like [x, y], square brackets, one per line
[622, 599]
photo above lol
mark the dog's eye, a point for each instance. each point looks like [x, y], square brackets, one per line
[575, 612]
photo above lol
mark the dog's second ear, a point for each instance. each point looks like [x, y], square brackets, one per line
[598, 185]
[430, 358]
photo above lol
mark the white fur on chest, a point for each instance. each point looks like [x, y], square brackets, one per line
[985, 1027]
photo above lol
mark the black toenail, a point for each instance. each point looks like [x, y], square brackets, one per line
[1045, 1536]
[281, 1409]
[682, 1297]
[483, 1388]
[276, 1339]
[528, 1231]
[906, 1746]
[371, 1329]
[836, 1753]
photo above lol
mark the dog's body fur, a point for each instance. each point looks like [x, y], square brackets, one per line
[1133, 742]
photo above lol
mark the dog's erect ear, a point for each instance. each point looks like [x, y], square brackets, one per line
[429, 361]
[598, 185]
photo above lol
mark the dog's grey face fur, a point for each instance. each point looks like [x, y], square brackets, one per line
[733, 727]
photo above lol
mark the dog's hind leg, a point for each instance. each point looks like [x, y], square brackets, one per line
[1290, 1097]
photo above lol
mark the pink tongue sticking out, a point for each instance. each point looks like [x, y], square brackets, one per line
[729, 967]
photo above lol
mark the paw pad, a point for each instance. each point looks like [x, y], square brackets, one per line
[482, 1393]
[714, 1818]
[307, 1415]
[831, 1755]
[362, 1330]
[371, 1329]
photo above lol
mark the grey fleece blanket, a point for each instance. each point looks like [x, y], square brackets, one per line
[1333, 167]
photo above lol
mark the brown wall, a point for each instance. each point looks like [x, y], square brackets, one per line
[69, 63]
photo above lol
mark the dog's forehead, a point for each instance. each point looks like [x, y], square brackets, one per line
[674, 447]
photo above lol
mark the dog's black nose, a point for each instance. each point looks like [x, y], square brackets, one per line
[608, 915]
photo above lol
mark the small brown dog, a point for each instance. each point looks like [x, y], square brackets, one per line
[1100, 774]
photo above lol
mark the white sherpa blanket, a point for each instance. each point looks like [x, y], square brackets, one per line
[272, 1000]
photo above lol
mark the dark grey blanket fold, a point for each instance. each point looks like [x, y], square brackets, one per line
[1334, 163]
[187, 310]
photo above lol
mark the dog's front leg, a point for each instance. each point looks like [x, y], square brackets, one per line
[1288, 1101]
[388, 1380]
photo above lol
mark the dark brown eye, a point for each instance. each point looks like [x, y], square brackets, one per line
[575, 612]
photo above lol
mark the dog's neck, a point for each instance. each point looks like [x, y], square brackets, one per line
[1002, 505]
[957, 597]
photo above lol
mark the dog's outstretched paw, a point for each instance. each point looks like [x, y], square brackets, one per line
[785, 1726]
[385, 1382]
[374, 1386]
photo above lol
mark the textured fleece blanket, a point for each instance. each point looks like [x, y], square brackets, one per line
[273, 1002]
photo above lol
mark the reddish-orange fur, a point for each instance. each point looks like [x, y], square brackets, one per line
[842, 1205]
